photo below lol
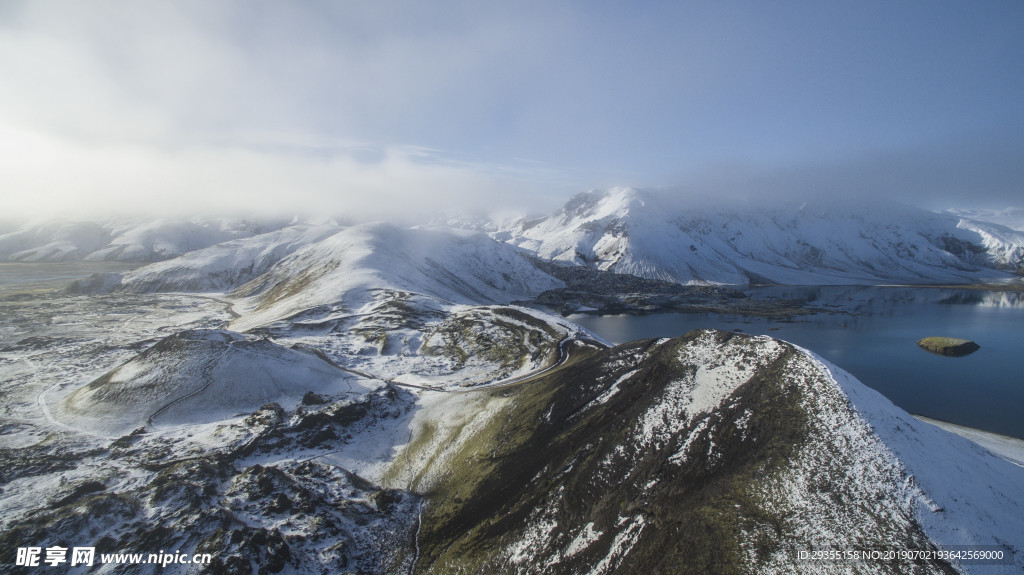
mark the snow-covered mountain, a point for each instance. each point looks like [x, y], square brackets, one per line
[648, 235]
[293, 269]
[202, 376]
[349, 266]
[623, 230]
[386, 412]
[132, 240]
[708, 453]
[224, 266]
[368, 399]
[1003, 244]
[1012, 218]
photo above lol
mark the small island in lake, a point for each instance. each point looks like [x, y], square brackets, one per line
[952, 346]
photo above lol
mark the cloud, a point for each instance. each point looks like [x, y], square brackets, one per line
[162, 107]
[185, 71]
[355, 105]
[979, 169]
[52, 175]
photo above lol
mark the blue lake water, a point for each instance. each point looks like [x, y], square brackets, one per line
[872, 332]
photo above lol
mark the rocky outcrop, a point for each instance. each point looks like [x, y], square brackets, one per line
[951, 346]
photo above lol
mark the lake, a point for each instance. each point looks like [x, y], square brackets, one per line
[869, 331]
[872, 332]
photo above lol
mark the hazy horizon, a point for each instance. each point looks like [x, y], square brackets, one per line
[161, 108]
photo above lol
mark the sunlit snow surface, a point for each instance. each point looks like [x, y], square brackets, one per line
[967, 496]
[375, 307]
[110, 394]
[865, 464]
[647, 234]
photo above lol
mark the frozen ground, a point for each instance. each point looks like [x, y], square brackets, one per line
[386, 399]
[148, 403]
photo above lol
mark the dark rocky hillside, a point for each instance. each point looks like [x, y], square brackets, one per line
[669, 456]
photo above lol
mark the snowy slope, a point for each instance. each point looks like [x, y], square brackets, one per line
[349, 266]
[648, 235]
[1004, 245]
[136, 240]
[1012, 218]
[200, 376]
[711, 452]
[53, 241]
[223, 266]
[971, 497]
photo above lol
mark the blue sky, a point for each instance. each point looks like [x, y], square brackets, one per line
[356, 107]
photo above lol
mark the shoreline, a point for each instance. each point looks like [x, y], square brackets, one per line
[1003, 446]
[1012, 285]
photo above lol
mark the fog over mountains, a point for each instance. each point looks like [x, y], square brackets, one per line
[307, 287]
[623, 230]
[648, 235]
[121, 240]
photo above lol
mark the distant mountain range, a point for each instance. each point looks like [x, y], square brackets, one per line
[622, 230]
[122, 240]
[648, 235]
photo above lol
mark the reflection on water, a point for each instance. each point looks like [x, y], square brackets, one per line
[875, 298]
[871, 332]
[1003, 299]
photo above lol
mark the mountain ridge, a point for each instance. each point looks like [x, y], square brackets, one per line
[648, 234]
[642, 233]
[711, 452]
[123, 239]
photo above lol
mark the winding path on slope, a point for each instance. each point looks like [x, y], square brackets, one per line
[229, 307]
[173, 402]
[563, 356]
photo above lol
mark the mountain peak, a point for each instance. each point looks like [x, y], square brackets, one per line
[603, 203]
[709, 452]
[655, 235]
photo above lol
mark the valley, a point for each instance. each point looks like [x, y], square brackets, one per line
[372, 398]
